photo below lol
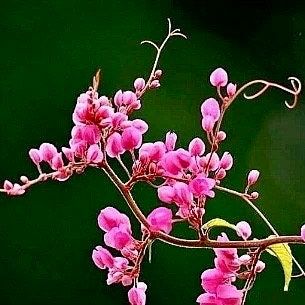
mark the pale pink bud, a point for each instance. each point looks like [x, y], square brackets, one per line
[127, 280]
[210, 107]
[226, 162]
[16, 190]
[183, 195]
[118, 119]
[7, 185]
[166, 193]
[35, 156]
[231, 89]
[155, 150]
[136, 296]
[131, 138]
[208, 299]
[129, 97]
[114, 145]
[57, 162]
[118, 238]
[110, 218]
[254, 195]
[104, 101]
[160, 219]
[212, 160]
[221, 135]
[207, 123]
[139, 84]
[154, 84]
[158, 73]
[94, 154]
[221, 173]
[196, 147]
[219, 77]
[170, 141]
[47, 151]
[243, 229]
[245, 259]
[303, 232]
[102, 258]
[211, 279]
[253, 177]
[24, 179]
[260, 266]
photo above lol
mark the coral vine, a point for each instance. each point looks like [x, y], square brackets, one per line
[189, 177]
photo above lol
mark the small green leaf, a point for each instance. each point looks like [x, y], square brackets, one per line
[217, 222]
[283, 253]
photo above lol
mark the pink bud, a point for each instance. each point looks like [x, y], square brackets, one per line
[155, 150]
[213, 161]
[221, 135]
[228, 294]
[303, 232]
[154, 84]
[243, 229]
[219, 77]
[47, 151]
[226, 162]
[221, 173]
[210, 107]
[68, 152]
[16, 190]
[139, 84]
[196, 147]
[102, 258]
[160, 219]
[137, 296]
[231, 89]
[129, 97]
[35, 156]
[24, 179]
[166, 193]
[207, 123]
[94, 154]
[131, 138]
[245, 259]
[118, 98]
[57, 162]
[158, 73]
[183, 195]
[114, 145]
[208, 299]
[170, 141]
[253, 177]
[254, 195]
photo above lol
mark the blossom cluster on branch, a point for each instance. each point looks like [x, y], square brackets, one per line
[185, 179]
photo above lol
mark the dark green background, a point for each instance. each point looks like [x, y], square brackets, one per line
[49, 52]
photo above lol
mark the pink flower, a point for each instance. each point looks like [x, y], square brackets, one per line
[229, 295]
[243, 229]
[183, 196]
[202, 186]
[253, 177]
[196, 147]
[118, 238]
[110, 218]
[131, 138]
[114, 145]
[170, 141]
[219, 77]
[166, 193]
[57, 162]
[94, 154]
[211, 279]
[303, 232]
[136, 295]
[155, 151]
[140, 125]
[102, 258]
[160, 219]
[208, 299]
[13, 189]
[47, 151]
[213, 161]
[226, 161]
[35, 156]
[175, 161]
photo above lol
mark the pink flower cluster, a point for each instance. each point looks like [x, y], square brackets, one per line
[218, 282]
[125, 269]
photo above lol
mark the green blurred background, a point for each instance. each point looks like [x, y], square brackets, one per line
[49, 52]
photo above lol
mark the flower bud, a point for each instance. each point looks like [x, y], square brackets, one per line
[243, 229]
[231, 89]
[219, 77]
[253, 177]
[196, 147]
[139, 84]
[154, 84]
[35, 156]
[226, 162]
[158, 73]
[254, 195]
[303, 232]
[221, 135]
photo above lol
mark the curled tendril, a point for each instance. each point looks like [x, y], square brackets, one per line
[295, 83]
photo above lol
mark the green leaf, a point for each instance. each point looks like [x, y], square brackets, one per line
[283, 253]
[217, 222]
